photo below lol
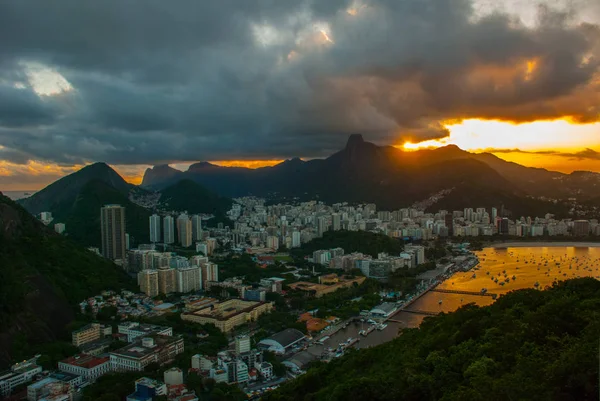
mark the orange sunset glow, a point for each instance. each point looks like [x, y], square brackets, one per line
[553, 145]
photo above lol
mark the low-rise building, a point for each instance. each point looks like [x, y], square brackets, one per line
[133, 330]
[19, 373]
[202, 363]
[384, 310]
[328, 284]
[60, 384]
[87, 366]
[229, 314]
[147, 389]
[283, 341]
[152, 349]
[87, 334]
[265, 369]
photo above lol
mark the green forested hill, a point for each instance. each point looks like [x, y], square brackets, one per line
[528, 345]
[42, 278]
[193, 197]
[82, 217]
[352, 241]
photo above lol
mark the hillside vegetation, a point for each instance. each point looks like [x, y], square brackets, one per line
[193, 197]
[528, 345]
[42, 278]
[352, 241]
[82, 217]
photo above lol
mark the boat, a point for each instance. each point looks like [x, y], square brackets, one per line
[370, 330]
[382, 326]
[362, 333]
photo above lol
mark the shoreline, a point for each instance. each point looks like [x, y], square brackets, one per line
[545, 244]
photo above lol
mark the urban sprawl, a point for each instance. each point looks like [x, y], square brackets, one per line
[178, 274]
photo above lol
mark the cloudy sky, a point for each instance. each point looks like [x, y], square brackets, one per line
[137, 83]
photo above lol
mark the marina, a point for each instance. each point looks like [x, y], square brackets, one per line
[515, 268]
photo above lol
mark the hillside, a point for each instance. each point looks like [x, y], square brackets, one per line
[77, 198]
[351, 241]
[82, 218]
[193, 197]
[42, 277]
[392, 178]
[64, 191]
[529, 345]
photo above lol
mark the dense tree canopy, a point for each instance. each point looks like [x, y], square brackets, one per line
[352, 241]
[528, 345]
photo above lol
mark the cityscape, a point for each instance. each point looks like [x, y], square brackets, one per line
[178, 275]
[308, 200]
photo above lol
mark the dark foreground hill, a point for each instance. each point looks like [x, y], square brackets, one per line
[43, 276]
[529, 345]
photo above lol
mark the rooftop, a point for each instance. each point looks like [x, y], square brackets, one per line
[138, 350]
[286, 337]
[85, 361]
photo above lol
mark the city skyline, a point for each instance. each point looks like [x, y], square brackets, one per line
[264, 84]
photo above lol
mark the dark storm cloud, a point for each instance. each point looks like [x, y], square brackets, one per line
[160, 81]
[20, 107]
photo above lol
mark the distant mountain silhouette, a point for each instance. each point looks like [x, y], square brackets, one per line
[65, 190]
[363, 171]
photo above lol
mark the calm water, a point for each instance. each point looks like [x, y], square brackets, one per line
[528, 266]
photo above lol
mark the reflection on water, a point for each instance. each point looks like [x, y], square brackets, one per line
[504, 270]
[528, 266]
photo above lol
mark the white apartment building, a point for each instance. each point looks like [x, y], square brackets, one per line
[18, 374]
[153, 349]
[87, 366]
[154, 228]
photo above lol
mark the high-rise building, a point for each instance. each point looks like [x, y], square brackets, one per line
[321, 226]
[169, 230]
[336, 221]
[196, 228]
[112, 228]
[184, 230]
[188, 279]
[209, 272]
[581, 228]
[273, 242]
[242, 344]
[503, 225]
[148, 282]
[296, 239]
[154, 228]
[494, 214]
[211, 244]
[449, 222]
[167, 282]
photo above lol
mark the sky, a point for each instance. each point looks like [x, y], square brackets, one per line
[254, 82]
